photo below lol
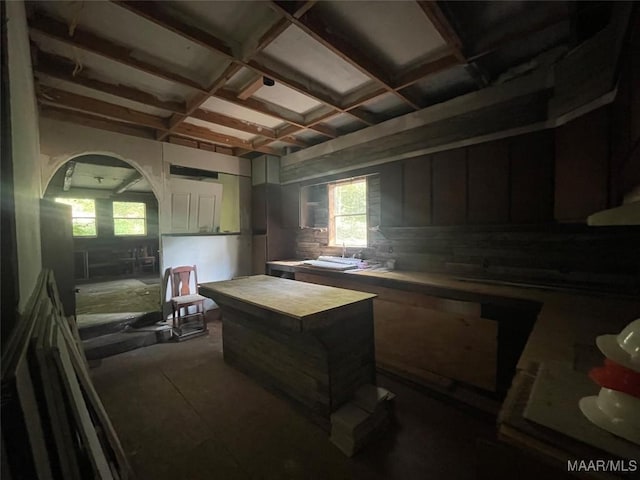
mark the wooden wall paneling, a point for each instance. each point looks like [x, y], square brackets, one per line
[581, 166]
[416, 340]
[391, 195]
[258, 254]
[259, 208]
[488, 182]
[417, 192]
[290, 206]
[620, 130]
[631, 171]
[531, 166]
[273, 206]
[80, 412]
[450, 187]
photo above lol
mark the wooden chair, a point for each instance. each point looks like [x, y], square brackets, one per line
[185, 324]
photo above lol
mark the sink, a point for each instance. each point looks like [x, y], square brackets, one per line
[343, 260]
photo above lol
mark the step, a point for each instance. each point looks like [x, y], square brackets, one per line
[115, 343]
[96, 325]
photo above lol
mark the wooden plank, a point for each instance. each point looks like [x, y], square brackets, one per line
[55, 96]
[62, 69]
[581, 165]
[286, 297]
[100, 46]
[196, 131]
[445, 29]
[52, 389]
[488, 182]
[94, 121]
[387, 294]
[154, 12]
[227, 121]
[450, 187]
[417, 192]
[391, 195]
[79, 409]
[532, 158]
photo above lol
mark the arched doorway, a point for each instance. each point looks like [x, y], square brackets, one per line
[114, 225]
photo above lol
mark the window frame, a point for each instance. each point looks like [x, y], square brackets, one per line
[74, 217]
[331, 187]
[114, 218]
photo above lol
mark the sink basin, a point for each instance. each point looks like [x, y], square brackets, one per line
[343, 260]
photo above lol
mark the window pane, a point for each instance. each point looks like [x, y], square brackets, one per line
[80, 207]
[84, 227]
[128, 210]
[129, 226]
[351, 198]
[352, 230]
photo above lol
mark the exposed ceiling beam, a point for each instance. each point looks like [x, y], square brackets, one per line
[250, 88]
[62, 69]
[433, 11]
[98, 108]
[190, 130]
[294, 141]
[92, 43]
[127, 183]
[306, 86]
[226, 121]
[94, 121]
[153, 12]
[55, 96]
[315, 26]
[417, 73]
[200, 98]
[68, 175]
[490, 47]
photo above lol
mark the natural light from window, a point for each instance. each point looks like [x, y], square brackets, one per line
[129, 218]
[348, 213]
[83, 213]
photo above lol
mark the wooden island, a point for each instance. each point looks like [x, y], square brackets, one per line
[313, 344]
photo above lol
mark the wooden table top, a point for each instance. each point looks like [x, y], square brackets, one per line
[287, 297]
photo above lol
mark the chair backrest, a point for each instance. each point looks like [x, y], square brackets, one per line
[180, 280]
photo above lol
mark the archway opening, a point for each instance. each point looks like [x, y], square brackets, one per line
[113, 217]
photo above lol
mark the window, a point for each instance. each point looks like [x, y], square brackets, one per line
[129, 218]
[83, 213]
[348, 213]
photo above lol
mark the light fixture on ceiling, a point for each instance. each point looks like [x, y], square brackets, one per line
[269, 82]
[99, 179]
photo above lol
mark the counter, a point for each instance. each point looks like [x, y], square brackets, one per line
[562, 335]
[313, 344]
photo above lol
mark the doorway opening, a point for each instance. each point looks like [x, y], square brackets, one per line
[114, 235]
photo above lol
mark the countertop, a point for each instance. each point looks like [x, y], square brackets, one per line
[294, 299]
[566, 321]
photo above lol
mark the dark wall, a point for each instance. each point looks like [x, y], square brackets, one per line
[512, 209]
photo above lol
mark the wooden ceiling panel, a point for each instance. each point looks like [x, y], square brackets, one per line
[222, 129]
[287, 97]
[148, 42]
[369, 24]
[237, 111]
[305, 55]
[47, 81]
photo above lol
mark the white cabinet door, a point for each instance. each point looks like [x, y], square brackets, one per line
[195, 206]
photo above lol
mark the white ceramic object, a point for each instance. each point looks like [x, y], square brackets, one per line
[623, 348]
[615, 412]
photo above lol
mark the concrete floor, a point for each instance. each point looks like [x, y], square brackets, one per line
[182, 413]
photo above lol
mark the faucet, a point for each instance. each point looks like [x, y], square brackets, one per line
[344, 249]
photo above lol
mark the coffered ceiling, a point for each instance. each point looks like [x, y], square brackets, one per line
[252, 77]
